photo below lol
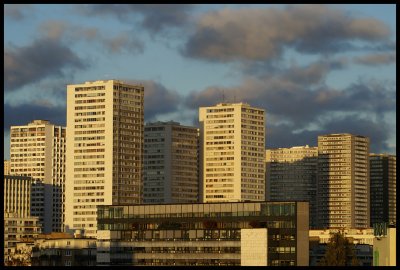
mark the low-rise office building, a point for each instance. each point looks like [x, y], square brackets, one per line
[209, 234]
[62, 249]
[18, 229]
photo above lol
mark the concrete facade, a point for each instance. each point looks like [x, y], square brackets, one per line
[291, 174]
[18, 229]
[232, 153]
[171, 163]
[105, 122]
[254, 247]
[38, 150]
[385, 249]
[383, 188]
[343, 190]
[17, 195]
[63, 250]
[7, 167]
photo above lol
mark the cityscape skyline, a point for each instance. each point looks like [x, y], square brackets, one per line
[309, 84]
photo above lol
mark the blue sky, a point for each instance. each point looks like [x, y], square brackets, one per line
[316, 69]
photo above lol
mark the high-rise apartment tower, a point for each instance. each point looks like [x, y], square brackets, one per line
[291, 175]
[232, 153]
[38, 150]
[343, 181]
[383, 188]
[105, 123]
[171, 163]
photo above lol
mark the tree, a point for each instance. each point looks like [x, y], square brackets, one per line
[339, 252]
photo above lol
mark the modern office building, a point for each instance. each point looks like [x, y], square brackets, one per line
[343, 181]
[171, 163]
[210, 234]
[383, 188]
[38, 150]
[105, 124]
[291, 175]
[17, 195]
[232, 153]
[7, 167]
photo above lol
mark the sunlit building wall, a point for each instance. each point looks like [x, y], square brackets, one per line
[105, 122]
[343, 190]
[232, 152]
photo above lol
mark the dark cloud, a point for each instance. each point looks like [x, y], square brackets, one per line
[25, 113]
[157, 99]
[377, 131]
[17, 11]
[282, 135]
[154, 17]
[32, 63]
[263, 34]
[123, 41]
[376, 59]
[300, 96]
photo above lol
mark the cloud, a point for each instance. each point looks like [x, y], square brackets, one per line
[282, 135]
[157, 99]
[25, 113]
[123, 41]
[376, 59]
[17, 11]
[300, 96]
[154, 17]
[263, 34]
[41, 59]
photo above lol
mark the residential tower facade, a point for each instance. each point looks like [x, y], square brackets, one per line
[38, 150]
[232, 152]
[291, 175]
[343, 181]
[105, 122]
[171, 163]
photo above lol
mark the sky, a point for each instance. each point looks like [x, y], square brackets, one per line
[315, 69]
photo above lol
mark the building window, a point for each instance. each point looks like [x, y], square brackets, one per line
[68, 253]
[68, 263]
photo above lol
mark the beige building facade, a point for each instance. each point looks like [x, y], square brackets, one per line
[7, 168]
[291, 174]
[343, 181]
[105, 123]
[17, 195]
[38, 150]
[232, 153]
[171, 163]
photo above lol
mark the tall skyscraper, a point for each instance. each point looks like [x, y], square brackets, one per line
[171, 163]
[383, 188]
[38, 150]
[105, 122]
[232, 153]
[343, 185]
[291, 175]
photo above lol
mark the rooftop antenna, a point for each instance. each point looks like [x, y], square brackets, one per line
[223, 96]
